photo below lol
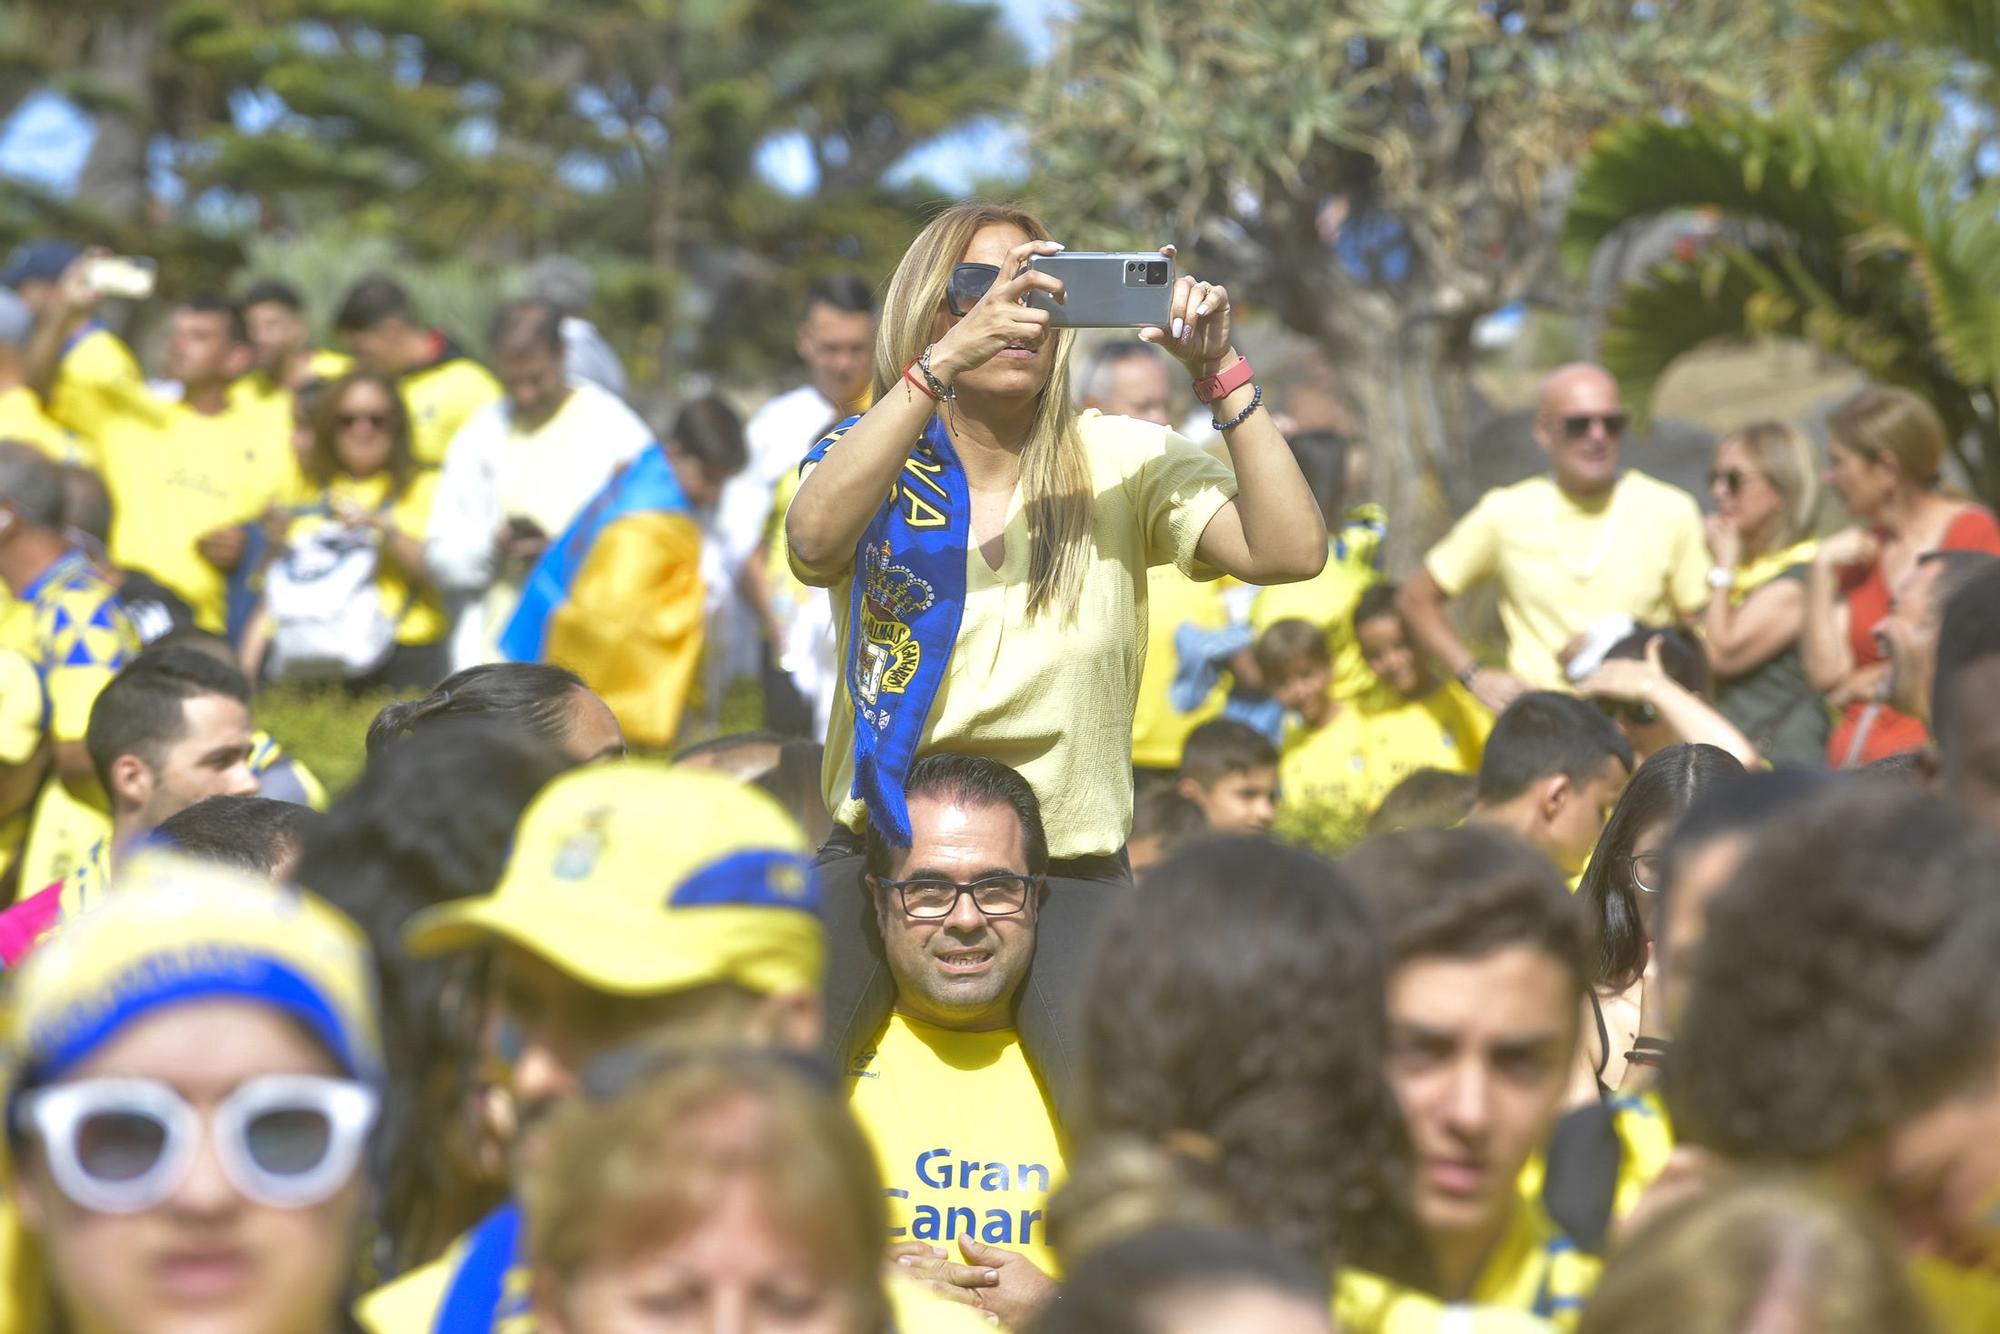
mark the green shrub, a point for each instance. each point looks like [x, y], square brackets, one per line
[323, 728]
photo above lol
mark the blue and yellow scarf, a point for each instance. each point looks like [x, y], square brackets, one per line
[903, 617]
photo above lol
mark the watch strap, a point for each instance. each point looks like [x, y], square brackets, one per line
[1224, 381]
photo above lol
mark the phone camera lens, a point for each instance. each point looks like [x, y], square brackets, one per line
[1156, 272]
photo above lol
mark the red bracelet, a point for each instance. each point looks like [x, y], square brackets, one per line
[1224, 382]
[910, 374]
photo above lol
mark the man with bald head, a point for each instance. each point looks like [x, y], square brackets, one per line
[1586, 542]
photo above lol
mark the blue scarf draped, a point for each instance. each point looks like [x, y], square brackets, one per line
[903, 617]
[647, 483]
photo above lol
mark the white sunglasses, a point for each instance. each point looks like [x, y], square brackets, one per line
[122, 1146]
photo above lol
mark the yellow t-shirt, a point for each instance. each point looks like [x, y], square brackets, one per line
[1329, 597]
[98, 385]
[1961, 1301]
[1561, 565]
[1377, 740]
[21, 712]
[420, 617]
[1365, 1303]
[1159, 730]
[963, 1133]
[1050, 696]
[259, 388]
[174, 481]
[441, 398]
[22, 419]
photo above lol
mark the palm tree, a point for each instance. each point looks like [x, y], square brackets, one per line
[1859, 214]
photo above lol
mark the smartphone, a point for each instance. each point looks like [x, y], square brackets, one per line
[129, 277]
[1104, 289]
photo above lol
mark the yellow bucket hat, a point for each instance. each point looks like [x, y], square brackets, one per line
[178, 931]
[639, 878]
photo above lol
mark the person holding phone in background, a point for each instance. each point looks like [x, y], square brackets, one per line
[996, 603]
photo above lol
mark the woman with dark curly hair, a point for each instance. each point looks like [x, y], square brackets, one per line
[1235, 1023]
[1621, 890]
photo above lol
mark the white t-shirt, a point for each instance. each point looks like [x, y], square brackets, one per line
[496, 470]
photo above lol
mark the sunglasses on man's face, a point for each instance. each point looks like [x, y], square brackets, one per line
[1577, 426]
[968, 283]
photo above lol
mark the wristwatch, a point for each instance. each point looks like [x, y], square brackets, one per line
[1721, 579]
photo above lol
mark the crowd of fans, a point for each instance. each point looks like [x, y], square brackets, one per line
[1141, 913]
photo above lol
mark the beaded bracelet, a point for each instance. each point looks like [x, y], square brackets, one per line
[940, 391]
[1256, 401]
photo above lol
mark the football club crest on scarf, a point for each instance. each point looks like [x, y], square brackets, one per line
[904, 612]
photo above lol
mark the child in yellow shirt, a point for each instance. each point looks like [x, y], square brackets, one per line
[1349, 756]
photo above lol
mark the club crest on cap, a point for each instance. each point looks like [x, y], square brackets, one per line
[577, 855]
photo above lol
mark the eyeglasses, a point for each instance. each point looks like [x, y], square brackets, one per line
[1578, 426]
[122, 1146]
[968, 283]
[1645, 872]
[378, 420]
[929, 898]
[1731, 480]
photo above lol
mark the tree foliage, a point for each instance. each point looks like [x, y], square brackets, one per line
[1858, 217]
[1380, 173]
[495, 130]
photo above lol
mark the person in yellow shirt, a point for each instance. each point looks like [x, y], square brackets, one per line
[1551, 773]
[1350, 757]
[1487, 977]
[84, 373]
[1586, 543]
[441, 382]
[642, 906]
[274, 317]
[186, 475]
[366, 523]
[21, 414]
[965, 1135]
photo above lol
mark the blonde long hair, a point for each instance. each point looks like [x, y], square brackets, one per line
[1055, 478]
[1784, 454]
[1887, 422]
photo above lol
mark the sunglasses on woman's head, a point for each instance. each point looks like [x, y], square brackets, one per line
[123, 1146]
[968, 283]
[1577, 426]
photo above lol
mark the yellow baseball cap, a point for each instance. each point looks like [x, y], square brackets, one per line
[178, 931]
[640, 878]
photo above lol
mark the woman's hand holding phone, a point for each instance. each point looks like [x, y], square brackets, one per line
[999, 320]
[1198, 327]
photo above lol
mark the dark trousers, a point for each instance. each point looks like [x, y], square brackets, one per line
[859, 992]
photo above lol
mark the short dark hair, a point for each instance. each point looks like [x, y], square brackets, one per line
[848, 292]
[536, 697]
[1969, 632]
[1124, 1287]
[1221, 747]
[1680, 656]
[1734, 804]
[252, 834]
[274, 292]
[86, 502]
[971, 780]
[1543, 734]
[143, 709]
[32, 484]
[1463, 893]
[1376, 600]
[214, 303]
[1291, 647]
[1425, 799]
[1165, 814]
[1846, 980]
[1665, 787]
[374, 299]
[709, 431]
[521, 326]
